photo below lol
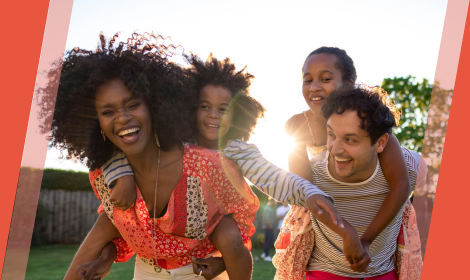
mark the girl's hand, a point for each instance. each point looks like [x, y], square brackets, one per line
[124, 193]
[362, 265]
[317, 204]
[352, 247]
[210, 267]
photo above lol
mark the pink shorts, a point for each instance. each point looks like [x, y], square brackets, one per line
[320, 275]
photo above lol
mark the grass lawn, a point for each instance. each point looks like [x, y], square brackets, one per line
[51, 262]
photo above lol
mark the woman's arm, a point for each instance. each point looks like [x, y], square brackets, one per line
[100, 235]
[396, 172]
[99, 268]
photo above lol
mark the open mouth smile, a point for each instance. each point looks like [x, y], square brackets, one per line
[316, 99]
[213, 126]
[130, 135]
[342, 162]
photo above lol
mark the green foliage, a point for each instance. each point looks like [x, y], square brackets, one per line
[55, 179]
[412, 99]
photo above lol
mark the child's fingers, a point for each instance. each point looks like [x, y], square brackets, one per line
[201, 262]
[199, 269]
[315, 209]
[326, 205]
[360, 266]
[125, 207]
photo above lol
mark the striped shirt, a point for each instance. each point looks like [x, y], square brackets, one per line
[270, 179]
[358, 203]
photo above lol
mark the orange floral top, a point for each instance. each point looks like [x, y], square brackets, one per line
[209, 188]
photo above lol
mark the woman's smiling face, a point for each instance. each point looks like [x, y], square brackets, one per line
[125, 120]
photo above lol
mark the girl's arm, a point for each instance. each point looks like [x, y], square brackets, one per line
[395, 170]
[298, 157]
[100, 235]
[118, 171]
[274, 181]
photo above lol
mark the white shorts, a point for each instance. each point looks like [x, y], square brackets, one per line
[145, 271]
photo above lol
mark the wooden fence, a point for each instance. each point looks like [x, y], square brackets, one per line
[65, 216]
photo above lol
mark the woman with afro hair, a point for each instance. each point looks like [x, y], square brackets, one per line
[225, 119]
[131, 99]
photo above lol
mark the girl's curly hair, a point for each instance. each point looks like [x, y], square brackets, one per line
[145, 70]
[247, 110]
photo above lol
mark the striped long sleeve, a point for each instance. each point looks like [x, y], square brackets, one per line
[272, 180]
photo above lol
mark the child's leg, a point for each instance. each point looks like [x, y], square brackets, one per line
[237, 258]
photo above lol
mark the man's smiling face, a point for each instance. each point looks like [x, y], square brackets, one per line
[352, 157]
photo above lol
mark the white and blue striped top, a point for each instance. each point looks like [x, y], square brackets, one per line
[270, 179]
[358, 203]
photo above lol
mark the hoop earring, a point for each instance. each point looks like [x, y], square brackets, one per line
[104, 136]
[156, 139]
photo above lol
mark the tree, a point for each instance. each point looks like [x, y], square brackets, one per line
[412, 99]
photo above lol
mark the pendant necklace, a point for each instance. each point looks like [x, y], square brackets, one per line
[156, 267]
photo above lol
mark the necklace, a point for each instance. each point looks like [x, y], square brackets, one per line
[156, 267]
[309, 128]
[315, 149]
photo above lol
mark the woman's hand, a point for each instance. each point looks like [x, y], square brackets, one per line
[210, 267]
[94, 270]
[99, 268]
[102, 233]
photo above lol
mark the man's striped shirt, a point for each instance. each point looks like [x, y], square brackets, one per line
[358, 203]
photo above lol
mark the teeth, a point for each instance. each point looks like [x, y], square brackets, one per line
[342, 159]
[315, 98]
[128, 131]
[212, 125]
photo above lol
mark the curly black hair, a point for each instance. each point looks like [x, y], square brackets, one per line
[344, 62]
[374, 107]
[144, 68]
[247, 110]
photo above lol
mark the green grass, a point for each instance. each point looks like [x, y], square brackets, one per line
[262, 270]
[51, 262]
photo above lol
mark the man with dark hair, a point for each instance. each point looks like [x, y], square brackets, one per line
[358, 125]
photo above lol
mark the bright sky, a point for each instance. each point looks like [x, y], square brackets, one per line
[384, 38]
